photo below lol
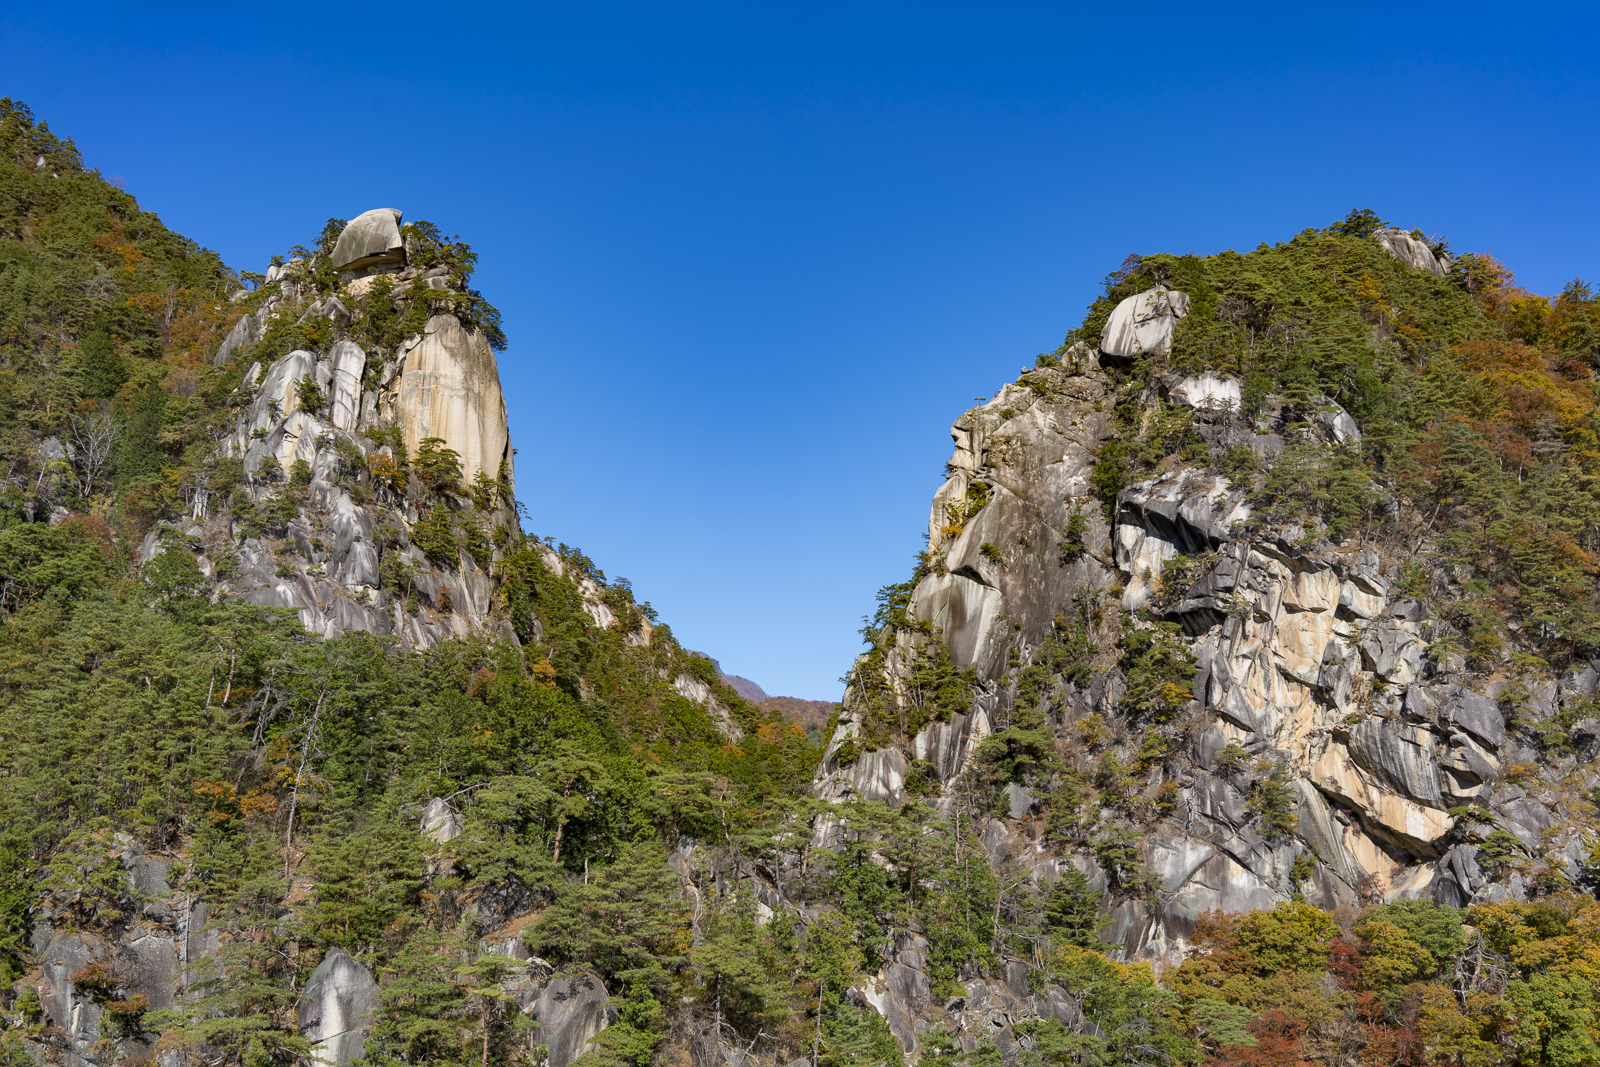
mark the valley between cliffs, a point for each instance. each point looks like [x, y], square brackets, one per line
[1240, 706]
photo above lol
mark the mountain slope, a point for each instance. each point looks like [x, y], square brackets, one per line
[1240, 709]
[283, 616]
[1275, 582]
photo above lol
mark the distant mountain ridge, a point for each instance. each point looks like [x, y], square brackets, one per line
[807, 713]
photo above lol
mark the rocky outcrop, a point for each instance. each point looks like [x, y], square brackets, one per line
[311, 467]
[1306, 658]
[448, 386]
[371, 239]
[245, 332]
[570, 1012]
[1143, 323]
[336, 1008]
[1410, 249]
[440, 821]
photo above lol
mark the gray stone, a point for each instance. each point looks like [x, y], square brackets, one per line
[64, 955]
[1392, 651]
[1207, 393]
[570, 1011]
[440, 821]
[1019, 800]
[338, 1003]
[370, 239]
[329, 308]
[1475, 714]
[1341, 428]
[1400, 756]
[349, 363]
[1411, 251]
[1586, 737]
[247, 331]
[1143, 323]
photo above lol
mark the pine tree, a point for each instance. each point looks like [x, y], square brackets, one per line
[1072, 911]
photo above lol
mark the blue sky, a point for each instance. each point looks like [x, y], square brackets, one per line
[754, 259]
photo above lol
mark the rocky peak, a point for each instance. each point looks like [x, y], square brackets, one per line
[370, 434]
[371, 239]
[1110, 561]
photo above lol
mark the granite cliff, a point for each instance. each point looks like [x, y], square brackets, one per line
[1241, 706]
[1156, 671]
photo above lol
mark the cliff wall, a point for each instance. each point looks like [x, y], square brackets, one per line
[1240, 703]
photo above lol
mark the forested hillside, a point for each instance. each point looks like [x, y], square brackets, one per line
[1241, 707]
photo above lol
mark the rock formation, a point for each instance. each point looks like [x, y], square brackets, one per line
[337, 1005]
[449, 388]
[1143, 324]
[371, 239]
[1411, 249]
[336, 521]
[1306, 653]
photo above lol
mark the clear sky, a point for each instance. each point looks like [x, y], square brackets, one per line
[755, 258]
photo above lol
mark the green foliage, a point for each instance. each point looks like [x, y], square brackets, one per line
[102, 367]
[1361, 222]
[1110, 475]
[1232, 759]
[1437, 929]
[1499, 849]
[427, 247]
[438, 467]
[1158, 667]
[1072, 911]
[364, 881]
[1274, 800]
[1327, 484]
[1073, 545]
[59, 563]
[930, 686]
[435, 535]
[1119, 852]
[1136, 1020]
[624, 921]
[309, 396]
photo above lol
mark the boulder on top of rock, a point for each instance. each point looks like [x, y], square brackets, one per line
[371, 239]
[1411, 250]
[1143, 323]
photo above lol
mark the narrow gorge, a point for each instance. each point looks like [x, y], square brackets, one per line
[1240, 706]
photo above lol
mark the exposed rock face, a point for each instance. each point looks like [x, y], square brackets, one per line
[327, 560]
[1411, 250]
[349, 363]
[158, 946]
[450, 389]
[143, 950]
[336, 1007]
[370, 239]
[570, 1012]
[440, 821]
[1143, 323]
[1206, 391]
[1312, 659]
[247, 331]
